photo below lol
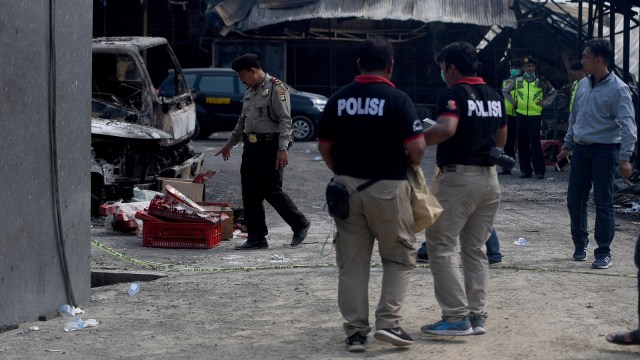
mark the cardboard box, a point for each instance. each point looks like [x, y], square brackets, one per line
[227, 225]
[191, 190]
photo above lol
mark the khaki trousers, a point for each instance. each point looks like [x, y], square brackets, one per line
[470, 196]
[382, 211]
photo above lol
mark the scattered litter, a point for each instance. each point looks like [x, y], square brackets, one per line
[91, 323]
[236, 234]
[134, 288]
[53, 350]
[634, 208]
[277, 258]
[520, 242]
[74, 324]
[307, 151]
[143, 194]
[34, 328]
[317, 158]
[67, 310]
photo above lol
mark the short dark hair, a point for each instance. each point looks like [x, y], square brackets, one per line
[601, 48]
[375, 54]
[515, 63]
[462, 55]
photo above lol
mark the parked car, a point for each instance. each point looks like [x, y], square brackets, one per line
[218, 94]
[136, 134]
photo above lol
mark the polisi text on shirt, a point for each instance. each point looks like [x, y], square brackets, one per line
[368, 106]
[484, 108]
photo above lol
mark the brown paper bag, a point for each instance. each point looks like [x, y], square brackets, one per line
[426, 208]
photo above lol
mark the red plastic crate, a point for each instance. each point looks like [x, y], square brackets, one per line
[181, 235]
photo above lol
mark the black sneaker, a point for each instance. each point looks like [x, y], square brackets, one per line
[355, 343]
[395, 336]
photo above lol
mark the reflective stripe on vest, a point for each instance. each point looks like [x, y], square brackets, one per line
[508, 108]
[527, 94]
[574, 88]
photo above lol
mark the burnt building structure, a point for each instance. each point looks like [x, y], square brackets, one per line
[311, 44]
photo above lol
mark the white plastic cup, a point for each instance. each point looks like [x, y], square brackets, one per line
[133, 289]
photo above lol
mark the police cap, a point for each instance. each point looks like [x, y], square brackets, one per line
[529, 60]
[246, 62]
[515, 63]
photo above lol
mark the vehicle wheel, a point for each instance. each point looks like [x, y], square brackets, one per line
[302, 128]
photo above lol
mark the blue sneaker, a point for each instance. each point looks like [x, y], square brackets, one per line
[602, 262]
[443, 327]
[477, 323]
[580, 255]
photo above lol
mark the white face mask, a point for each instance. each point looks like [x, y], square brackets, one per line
[442, 76]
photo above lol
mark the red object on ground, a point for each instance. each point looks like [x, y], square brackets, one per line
[145, 216]
[180, 197]
[204, 176]
[108, 208]
[181, 235]
[169, 210]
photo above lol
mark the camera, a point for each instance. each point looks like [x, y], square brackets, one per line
[497, 157]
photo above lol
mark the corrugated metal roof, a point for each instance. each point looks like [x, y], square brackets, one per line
[477, 12]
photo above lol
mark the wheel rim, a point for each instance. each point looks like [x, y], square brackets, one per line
[300, 129]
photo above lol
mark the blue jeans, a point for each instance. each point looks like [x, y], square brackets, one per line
[493, 247]
[593, 165]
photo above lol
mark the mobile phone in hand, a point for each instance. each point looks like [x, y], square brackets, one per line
[560, 165]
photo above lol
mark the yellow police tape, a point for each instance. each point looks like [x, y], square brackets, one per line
[170, 267]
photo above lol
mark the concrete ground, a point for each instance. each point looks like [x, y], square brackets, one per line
[281, 303]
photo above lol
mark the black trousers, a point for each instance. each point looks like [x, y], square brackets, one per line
[512, 135]
[261, 181]
[529, 148]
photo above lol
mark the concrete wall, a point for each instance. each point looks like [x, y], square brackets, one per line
[45, 79]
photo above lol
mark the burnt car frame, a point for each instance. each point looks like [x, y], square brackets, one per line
[137, 134]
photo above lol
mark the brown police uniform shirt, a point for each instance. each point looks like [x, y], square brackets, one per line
[266, 109]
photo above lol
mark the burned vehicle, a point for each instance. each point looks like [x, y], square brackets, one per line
[137, 134]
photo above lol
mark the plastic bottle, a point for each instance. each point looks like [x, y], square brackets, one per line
[520, 242]
[66, 310]
[133, 289]
[74, 324]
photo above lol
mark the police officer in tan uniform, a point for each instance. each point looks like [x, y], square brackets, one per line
[265, 129]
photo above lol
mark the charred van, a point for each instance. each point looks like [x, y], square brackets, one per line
[137, 134]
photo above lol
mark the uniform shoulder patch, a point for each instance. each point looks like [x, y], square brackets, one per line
[275, 80]
[451, 105]
[282, 95]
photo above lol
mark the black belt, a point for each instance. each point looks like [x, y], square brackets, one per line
[261, 137]
[468, 169]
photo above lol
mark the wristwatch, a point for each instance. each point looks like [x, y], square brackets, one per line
[283, 148]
